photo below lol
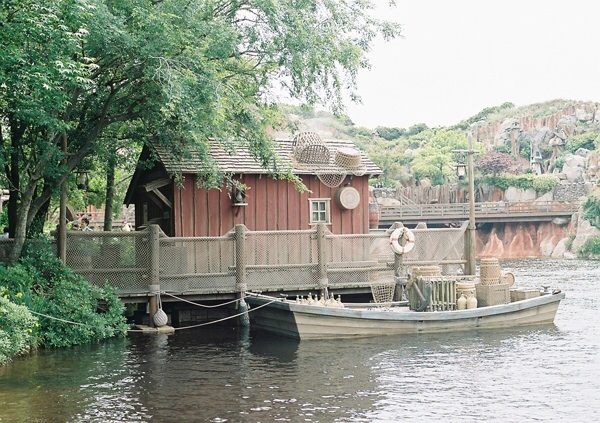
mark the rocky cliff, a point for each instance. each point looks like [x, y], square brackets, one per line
[579, 176]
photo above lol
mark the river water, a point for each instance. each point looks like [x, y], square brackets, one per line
[549, 373]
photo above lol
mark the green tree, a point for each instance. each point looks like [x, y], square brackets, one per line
[391, 158]
[390, 133]
[435, 159]
[180, 72]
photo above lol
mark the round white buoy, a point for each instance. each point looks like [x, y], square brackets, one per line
[160, 318]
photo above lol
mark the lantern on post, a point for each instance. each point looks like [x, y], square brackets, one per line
[467, 169]
[461, 166]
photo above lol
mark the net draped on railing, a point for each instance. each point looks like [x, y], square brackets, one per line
[272, 260]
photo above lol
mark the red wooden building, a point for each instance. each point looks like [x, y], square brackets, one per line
[335, 172]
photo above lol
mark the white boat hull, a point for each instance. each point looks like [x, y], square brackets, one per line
[301, 321]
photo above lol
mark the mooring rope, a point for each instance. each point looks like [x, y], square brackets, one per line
[227, 318]
[60, 320]
[180, 328]
[200, 305]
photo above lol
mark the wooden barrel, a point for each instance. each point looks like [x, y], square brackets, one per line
[373, 216]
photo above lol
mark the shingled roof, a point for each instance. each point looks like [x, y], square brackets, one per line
[241, 162]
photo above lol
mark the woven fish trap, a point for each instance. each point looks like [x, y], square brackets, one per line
[308, 147]
[347, 157]
[426, 271]
[383, 290]
[489, 271]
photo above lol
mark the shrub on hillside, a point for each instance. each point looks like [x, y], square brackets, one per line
[87, 312]
[545, 183]
[590, 248]
[591, 209]
[17, 327]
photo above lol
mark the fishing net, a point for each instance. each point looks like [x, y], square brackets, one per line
[383, 291]
[332, 180]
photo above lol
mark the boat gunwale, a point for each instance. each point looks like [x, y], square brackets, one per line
[408, 315]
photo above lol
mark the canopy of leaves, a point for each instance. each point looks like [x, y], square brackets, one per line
[101, 74]
[390, 133]
[434, 159]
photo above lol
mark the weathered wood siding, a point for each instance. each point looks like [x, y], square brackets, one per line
[271, 205]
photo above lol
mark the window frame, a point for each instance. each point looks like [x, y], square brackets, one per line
[327, 211]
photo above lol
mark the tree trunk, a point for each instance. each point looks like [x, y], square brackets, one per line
[110, 193]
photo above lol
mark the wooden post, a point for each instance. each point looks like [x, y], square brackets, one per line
[240, 259]
[241, 285]
[398, 264]
[471, 237]
[322, 258]
[154, 285]
[62, 215]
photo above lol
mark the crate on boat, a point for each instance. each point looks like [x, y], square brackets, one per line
[489, 295]
[523, 294]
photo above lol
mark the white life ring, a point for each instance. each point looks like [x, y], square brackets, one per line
[395, 241]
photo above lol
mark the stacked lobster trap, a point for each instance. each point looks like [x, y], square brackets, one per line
[429, 290]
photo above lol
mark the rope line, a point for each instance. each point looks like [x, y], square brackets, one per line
[180, 328]
[60, 320]
[227, 318]
[200, 305]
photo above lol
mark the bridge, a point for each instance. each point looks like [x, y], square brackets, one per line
[489, 212]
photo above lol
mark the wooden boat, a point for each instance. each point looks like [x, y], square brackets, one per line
[303, 321]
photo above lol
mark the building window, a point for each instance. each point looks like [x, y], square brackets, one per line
[319, 210]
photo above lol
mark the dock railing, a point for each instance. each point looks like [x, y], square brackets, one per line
[301, 260]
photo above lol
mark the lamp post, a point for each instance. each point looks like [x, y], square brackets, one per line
[470, 241]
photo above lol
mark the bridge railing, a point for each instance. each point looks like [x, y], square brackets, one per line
[488, 208]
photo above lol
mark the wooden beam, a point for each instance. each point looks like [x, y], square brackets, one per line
[151, 186]
[160, 198]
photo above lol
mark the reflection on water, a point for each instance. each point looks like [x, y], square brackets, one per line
[547, 373]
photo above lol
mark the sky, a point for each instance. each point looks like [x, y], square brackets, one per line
[458, 57]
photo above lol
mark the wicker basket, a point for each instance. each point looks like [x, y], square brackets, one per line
[309, 148]
[347, 157]
[489, 271]
[426, 271]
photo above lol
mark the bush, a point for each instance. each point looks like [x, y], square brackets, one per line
[588, 140]
[17, 326]
[504, 181]
[591, 209]
[540, 183]
[545, 183]
[590, 248]
[87, 312]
